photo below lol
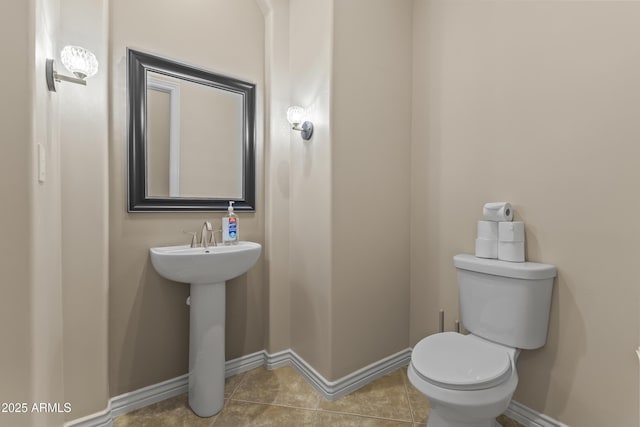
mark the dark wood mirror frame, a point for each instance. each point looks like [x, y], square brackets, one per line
[138, 63]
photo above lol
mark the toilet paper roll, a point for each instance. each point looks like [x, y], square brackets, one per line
[488, 230]
[486, 248]
[511, 251]
[512, 231]
[498, 211]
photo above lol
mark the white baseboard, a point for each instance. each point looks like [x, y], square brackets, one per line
[245, 363]
[146, 396]
[99, 419]
[529, 417]
[330, 390]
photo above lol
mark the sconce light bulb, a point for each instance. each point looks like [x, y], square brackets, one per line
[80, 61]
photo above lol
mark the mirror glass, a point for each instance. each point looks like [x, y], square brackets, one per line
[191, 137]
[194, 139]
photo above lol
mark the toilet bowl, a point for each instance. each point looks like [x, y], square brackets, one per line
[470, 379]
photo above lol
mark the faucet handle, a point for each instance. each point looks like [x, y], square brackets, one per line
[212, 238]
[194, 238]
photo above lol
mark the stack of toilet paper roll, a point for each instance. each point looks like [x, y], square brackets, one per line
[487, 241]
[511, 241]
[498, 235]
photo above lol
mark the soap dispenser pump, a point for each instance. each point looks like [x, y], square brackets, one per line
[230, 226]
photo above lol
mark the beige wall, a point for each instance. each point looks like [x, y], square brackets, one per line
[277, 174]
[46, 349]
[370, 158]
[84, 142]
[310, 168]
[148, 326]
[15, 185]
[32, 356]
[341, 258]
[536, 103]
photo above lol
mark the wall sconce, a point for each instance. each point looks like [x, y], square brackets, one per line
[295, 115]
[78, 60]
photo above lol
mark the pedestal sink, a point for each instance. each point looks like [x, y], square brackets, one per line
[207, 270]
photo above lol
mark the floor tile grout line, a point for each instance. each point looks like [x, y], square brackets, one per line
[216, 417]
[365, 416]
[321, 410]
[244, 376]
[405, 379]
[318, 400]
[281, 405]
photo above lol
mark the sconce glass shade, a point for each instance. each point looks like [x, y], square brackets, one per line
[80, 61]
[295, 114]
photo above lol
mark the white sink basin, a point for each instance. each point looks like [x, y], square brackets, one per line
[214, 264]
[206, 270]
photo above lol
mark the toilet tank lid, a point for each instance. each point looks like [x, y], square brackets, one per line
[517, 270]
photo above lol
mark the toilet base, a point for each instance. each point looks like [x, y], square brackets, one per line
[435, 420]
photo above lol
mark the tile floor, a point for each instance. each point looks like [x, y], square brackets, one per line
[282, 398]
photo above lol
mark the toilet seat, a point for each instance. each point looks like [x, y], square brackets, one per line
[461, 362]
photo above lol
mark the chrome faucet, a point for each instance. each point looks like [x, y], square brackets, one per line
[203, 236]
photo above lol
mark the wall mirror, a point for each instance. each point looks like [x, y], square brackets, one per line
[191, 137]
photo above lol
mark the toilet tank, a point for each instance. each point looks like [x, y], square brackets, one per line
[505, 302]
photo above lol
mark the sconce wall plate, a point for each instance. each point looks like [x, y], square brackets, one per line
[53, 76]
[307, 131]
[51, 81]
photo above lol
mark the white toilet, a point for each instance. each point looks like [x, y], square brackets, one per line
[470, 379]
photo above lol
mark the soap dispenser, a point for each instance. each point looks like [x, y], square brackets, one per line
[230, 226]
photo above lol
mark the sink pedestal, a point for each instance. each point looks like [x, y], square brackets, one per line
[207, 269]
[206, 348]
